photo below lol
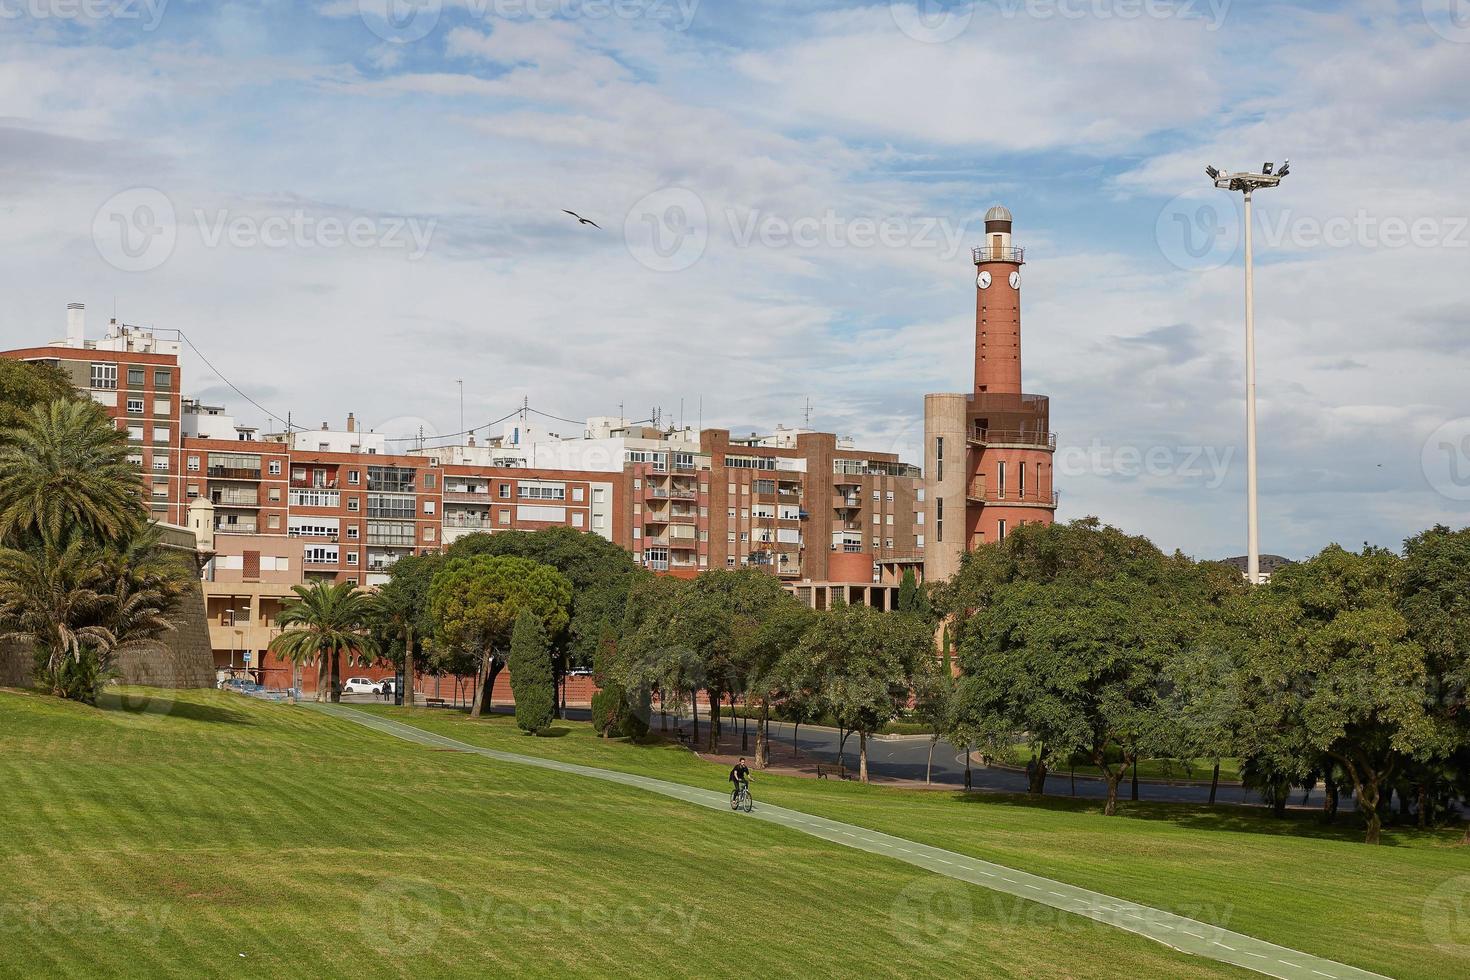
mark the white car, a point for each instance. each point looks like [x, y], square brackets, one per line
[360, 685]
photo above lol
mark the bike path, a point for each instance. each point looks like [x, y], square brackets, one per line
[1184, 934]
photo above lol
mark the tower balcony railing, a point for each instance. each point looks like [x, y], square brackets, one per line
[977, 492]
[1014, 437]
[998, 253]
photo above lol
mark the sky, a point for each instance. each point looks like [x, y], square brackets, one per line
[353, 205]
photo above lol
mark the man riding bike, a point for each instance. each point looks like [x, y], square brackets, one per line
[740, 777]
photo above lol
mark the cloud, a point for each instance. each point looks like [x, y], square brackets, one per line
[822, 115]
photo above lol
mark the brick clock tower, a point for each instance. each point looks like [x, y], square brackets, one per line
[987, 453]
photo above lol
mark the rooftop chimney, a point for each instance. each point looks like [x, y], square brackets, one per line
[324, 427]
[472, 440]
[76, 325]
[351, 423]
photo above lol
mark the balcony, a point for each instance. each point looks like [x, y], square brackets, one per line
[239, 527]
[466, 495]
[997, 253]
[978, 493]
[683, 517]
[231, 473]
[1011, 437]
[225, 498]
[472, 523]
[656, 541]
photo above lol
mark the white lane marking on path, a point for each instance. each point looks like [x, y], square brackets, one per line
[793, 819]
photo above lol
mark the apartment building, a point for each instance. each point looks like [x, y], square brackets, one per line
[813, 508]
[134, 374]
[343, 505]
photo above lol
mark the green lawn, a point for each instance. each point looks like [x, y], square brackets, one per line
[201, 833]
[1394, 909]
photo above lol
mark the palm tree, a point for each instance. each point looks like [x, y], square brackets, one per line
[78, 603]
[64, 467]
[325, 622]
[52, 595]
[145, 581]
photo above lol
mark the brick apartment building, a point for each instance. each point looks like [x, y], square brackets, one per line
[282, 509]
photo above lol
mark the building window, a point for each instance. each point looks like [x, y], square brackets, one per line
[578, 520]
[938, 518]
[1021, 480]
[274, 495]
[1000, 530]
[939, 457]
[135, 377]
[163, 379]
[193, 464]
[428, 506]
[505, 520]
[160, 462]
[353, 504]
[877, 495]
[352, 532]
[578, 494]
[162, 406]
[429, 534]
[504, 490]
[890, 520]
[160, 433]
[273, 521]
[104, 376]
[193, 490]
[918, 541]
[352, 557]
[135, 406]
[430, 480]
[599, 496]
[877, 518]
[1000, 478]
[354, 477]
[274, 467]
[135, 433]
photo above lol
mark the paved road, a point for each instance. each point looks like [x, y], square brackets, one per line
[1184, 934]
[905, 758]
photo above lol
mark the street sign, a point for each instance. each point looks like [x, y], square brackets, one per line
[247, 656]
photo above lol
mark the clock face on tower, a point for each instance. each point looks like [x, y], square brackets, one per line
[1015, 280]
[983, 280]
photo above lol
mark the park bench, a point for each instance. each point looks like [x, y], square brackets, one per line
[682, 736]
[825, 770]
[435, 702]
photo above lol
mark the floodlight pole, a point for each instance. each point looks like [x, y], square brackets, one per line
[1252, 509]
[1247, 183]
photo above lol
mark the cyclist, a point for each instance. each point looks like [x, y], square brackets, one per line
[740, 778]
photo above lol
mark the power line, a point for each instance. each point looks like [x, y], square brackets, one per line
[233, 387]
[452, 435]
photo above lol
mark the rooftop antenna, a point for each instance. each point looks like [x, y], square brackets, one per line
[808, 413]
[460, 382]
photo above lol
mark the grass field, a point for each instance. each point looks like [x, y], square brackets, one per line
[170, 840]
[1394, 909]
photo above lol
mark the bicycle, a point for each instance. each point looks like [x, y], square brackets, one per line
[741, 801]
